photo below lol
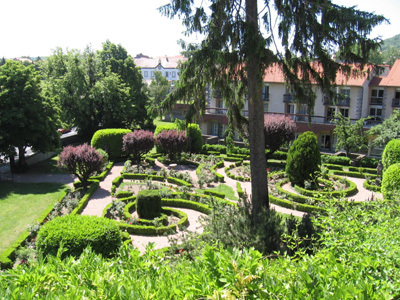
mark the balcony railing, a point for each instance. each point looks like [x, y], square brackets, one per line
[337, 100]
[216, 111]
[376, 101]
[396, 103]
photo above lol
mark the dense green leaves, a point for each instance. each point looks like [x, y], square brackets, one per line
[391, 154]
[26, 117]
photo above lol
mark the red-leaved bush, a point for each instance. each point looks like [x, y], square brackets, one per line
[138, 143]
[278, 130]
[172, 142]
[82, 161]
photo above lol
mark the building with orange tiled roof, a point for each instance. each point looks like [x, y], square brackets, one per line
[364, 95]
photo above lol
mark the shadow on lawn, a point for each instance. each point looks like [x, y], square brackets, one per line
[7, 188]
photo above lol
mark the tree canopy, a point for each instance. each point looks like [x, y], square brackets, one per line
[27, 119]
[102, 89]
[158, 91]
[388, 130]
[240, 43]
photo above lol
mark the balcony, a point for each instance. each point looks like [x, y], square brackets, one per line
[376, 101]
[337, 100]
[288, 98]
[215, 111]
[396, 103]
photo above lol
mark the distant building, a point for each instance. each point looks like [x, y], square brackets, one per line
[167, 65]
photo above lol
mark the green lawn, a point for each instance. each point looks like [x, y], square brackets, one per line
[161, 122]
[48, 166]
[20, 205]
[223, 188]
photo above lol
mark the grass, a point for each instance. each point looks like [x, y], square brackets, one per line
[161, 122]
[223, 188]
[20, 205]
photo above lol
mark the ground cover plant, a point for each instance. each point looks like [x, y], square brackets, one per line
[21, 204]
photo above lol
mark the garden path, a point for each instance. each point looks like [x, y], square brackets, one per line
[102, 196]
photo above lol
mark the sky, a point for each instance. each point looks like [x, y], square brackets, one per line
[36, 28]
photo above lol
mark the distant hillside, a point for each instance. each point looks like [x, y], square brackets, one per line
[391, 42]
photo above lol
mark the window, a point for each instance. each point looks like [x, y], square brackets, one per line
[166, 74]
[345, 92]
[145, 74]
[173, 74]
[397, 94]
[377, 96]
[326, 141]
[265, 105]
[266, 92]
[290, 108]
[344, 112]
[330, 113]
[152, 74]
[376, 113]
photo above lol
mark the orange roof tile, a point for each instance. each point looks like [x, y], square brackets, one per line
[393, 78]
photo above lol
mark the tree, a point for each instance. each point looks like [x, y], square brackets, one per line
[303, 159]
[236, 49]
[388, 130]
[138, 143]
[27, 118]
[278, 130]
[97, 90]
[158, 90]
[391, 154]
[172, 142]
[350, 136]
[83, 161]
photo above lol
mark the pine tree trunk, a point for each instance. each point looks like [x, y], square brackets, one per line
[259, 184]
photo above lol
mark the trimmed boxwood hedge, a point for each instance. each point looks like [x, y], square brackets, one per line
[363, 170]
[178, 181]
[335, 160]
[75, 232]
[295, 206]
[351, 190]
[391, 181]
[214, 193]
[369, 185]
[239, 189]
[110, 140]
[351, 174]
[148, 204]
[123, 194]
[334, 167]
[85, 199]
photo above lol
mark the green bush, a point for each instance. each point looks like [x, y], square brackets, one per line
[370, 185]
[123, 194]
[303, 159]
[335, 160]
[178, 181]
[214, 148]
[391, 182]
[391, 154]
[110, 140]
[75, 232]
[369, 162]
[195, 142]
[160, 128]
[214, 193]
[333, 167]
[148, 204]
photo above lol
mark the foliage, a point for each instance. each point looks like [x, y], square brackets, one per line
[110, 140]
[391, 182]
[388, 130]
[159, 129]
[148, 204]
[278, 130]
[238, 48]
[172, 142]
[369, 162]
[391, 154]
[304, 159]
[138, 143]
[335, 159]
[350, 136]
[95, 90]
[195, 139]
[71, 234]
[158, 90]
[82, 161]
[28, 118]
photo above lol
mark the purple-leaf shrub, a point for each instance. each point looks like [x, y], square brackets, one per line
[172, 142]
[82, 161]
[278, 130]
[138, 143]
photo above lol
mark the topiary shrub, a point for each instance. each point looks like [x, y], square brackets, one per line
[138, 143]
[303, 159]
[195, 140]
[335, 160]
[172, 142]
[110, 140]
[83, 161]
[148, 204]
[161, 128]
[391, 181]
[391, 154]
[75, 232]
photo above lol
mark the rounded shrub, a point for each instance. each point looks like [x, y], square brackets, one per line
[76, 232]
[161, 128]
[110, 140]
[138, 143]
[391, 154]
[195, 142]
[303, 159]
[391, 181]
[148, 204]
